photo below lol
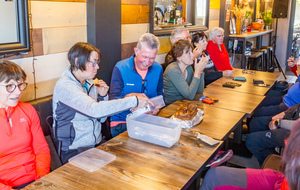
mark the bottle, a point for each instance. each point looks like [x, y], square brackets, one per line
[156, 19]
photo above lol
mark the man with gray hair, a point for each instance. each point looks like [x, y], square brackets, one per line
[180, 34]
[137, 74]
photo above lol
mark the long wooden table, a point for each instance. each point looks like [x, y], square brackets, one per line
[138, 165]
[247, 87]
[141, 165]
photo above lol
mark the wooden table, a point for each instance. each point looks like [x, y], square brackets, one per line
[248, 86]
[138, 165]
[141, 165]
[233, 100]
[243, 38]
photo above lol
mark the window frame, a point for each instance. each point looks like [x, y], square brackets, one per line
[192, 28]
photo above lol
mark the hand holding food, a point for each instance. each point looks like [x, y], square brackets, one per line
[102, 87]
[200, 66]
[291, 62]
[197, 52]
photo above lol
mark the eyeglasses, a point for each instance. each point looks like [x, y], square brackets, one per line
[144, 89]
[94, 63]
[11, 87]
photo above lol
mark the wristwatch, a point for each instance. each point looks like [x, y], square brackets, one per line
[276, 123]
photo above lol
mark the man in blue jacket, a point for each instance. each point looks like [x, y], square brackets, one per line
[137, 74]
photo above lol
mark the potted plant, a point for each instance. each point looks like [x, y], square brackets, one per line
[267, 18]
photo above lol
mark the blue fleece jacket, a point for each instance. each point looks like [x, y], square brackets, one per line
[125, 80]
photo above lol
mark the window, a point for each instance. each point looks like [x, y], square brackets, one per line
[165, 15]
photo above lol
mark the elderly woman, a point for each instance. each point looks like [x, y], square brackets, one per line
[217, 50]
[223, 178]
[179, 79]
[24, 153]
[199, 41]
[80, 104]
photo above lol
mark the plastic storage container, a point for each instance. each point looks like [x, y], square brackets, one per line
[158, 102]
[153, 129]
[92, 159]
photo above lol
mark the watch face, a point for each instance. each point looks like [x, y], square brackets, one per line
[276, 123]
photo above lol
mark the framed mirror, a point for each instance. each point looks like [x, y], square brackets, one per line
[14, 33]
[165, 15]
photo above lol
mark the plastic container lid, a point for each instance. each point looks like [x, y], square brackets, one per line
[92, 159]
[158, 102]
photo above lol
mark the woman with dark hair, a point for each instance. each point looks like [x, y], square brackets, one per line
[80, 103]
[24, 152]
[199, 41]
[179, 79]
[225, 178]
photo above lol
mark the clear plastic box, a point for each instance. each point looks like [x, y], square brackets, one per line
[158, 102]
[92, 159]
[153, 129]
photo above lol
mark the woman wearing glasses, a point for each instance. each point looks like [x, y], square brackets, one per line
[24, 153]
[80, 104]
[179, 79]
[199, 41]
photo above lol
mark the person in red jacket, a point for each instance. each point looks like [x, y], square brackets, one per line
[24, 152]
[217, 50]
[294, 65]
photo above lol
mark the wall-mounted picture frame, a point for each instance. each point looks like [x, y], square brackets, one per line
[22, 33]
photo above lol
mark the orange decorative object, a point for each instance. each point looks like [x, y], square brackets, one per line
[257, 25]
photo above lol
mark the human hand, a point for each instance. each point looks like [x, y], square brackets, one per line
[200, 66]
[272, 125]
[228, 73]
[279, 116]
[143, 100]
[102, 87]
[197, 51]
[154, 112]
[291, 62]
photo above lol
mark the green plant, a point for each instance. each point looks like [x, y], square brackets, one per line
[267, 18]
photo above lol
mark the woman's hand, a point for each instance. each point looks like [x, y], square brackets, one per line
[143, 100]
[228, 73]
[197, 52]
[102, 87]
[291, 62]
[200, 66]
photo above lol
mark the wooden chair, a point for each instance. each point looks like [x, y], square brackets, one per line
[272, 162]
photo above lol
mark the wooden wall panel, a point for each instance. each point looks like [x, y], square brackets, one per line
[128, 50]
[58, 14]
[165, 45]
[58, 40]
[135, 2]
[132, 32]
[132, 14]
